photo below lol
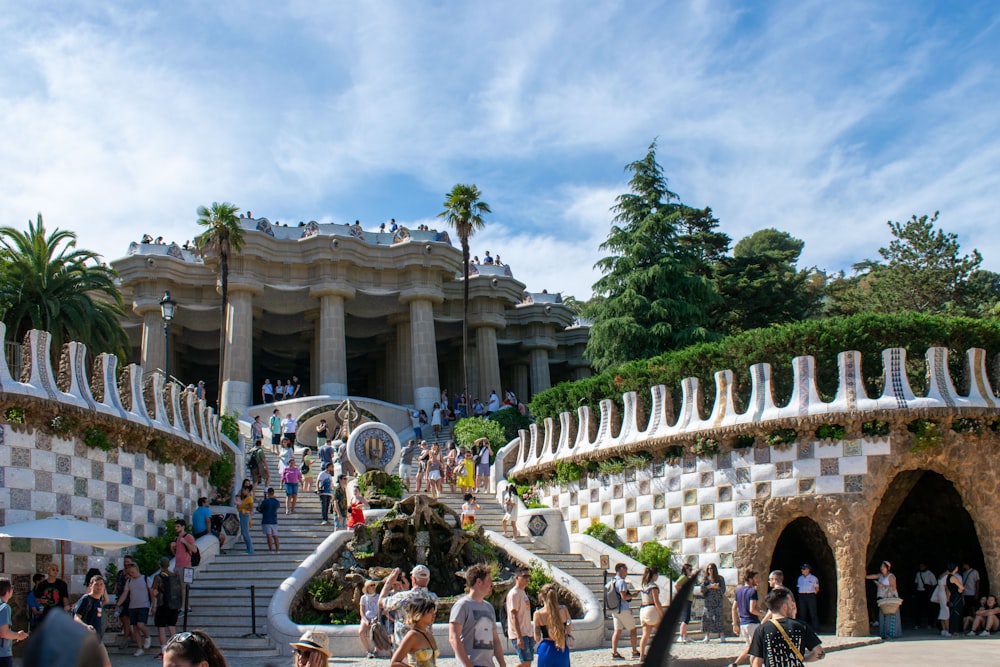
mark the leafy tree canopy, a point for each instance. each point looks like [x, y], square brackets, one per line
[654, 294]
[760, 284]
[48, 284]
[921, 271]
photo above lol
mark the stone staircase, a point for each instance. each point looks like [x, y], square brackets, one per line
[575, 565]
[220, 595]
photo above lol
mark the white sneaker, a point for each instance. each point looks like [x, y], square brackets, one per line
[984, 633]
[138, 652]
[148, 642]
[970, 633]
[945, 633]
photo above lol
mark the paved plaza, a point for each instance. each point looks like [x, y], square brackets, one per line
[924, 649]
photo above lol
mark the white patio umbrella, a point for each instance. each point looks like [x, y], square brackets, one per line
[70, 529]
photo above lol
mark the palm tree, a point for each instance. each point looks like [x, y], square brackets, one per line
[464, 212]
[48, 284]
[222, 236]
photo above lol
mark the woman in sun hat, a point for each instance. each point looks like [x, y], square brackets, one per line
[312, 650]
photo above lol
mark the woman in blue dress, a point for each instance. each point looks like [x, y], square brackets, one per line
[552, 629]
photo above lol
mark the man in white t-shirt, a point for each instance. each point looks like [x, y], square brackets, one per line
[288, 428]
[519, 626]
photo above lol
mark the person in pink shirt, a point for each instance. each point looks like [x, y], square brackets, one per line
[291, 477]
[182, 547]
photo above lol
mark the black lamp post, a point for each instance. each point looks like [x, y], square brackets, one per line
[167, 306]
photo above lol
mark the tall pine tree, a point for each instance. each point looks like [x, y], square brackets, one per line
[654, 295]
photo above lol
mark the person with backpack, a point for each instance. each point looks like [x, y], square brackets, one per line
[185, 551]
[167, 593]
[257, 463]
[617, 596]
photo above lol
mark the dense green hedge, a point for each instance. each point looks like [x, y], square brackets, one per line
[778, 345]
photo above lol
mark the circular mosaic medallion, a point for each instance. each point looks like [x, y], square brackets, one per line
[373, 446]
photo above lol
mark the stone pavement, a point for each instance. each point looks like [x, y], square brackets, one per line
[922, 649]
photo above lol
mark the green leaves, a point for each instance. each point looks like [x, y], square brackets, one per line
[50, 285]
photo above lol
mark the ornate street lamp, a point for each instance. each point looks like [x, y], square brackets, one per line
[167, 306]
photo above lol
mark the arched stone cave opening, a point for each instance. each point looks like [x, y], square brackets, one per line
[921, 519]
[803, 541]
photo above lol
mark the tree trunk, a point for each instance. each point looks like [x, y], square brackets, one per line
[465, 317]
[224, 279]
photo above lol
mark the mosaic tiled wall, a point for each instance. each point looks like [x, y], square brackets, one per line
[42, 475]
[699, 506]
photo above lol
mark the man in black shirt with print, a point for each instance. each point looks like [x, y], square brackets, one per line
[784, 641]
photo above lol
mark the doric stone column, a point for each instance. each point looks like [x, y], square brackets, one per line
[237, 391]
[332, 343]
[539, 360]
[423, 347]
[153, 343]
[404, 360]
[520, 381]
[391, 387]
[488, 361]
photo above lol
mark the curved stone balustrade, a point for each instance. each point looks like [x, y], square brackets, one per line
[592, 437]
[123, 396]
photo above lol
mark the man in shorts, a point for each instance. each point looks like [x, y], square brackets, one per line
[472, 628]
[269, 520]
[406, 462]
[623, 615]
[165, 616]
[745, 612]
[519, 627]
[137, 595]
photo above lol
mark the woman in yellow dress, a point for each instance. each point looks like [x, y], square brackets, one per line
[467, 478]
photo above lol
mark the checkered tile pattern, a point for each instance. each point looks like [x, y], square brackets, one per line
[699, 506]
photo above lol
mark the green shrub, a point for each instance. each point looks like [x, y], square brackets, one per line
[926, 434]
[744, 441]
[345, 617]
[969, 425]
[230, 426]
[824, 339]
[14, 415]
[148, 554]
[393, 486]
[654, 554]
[876, 428]
[780, 437]
[540, 575]
[612, 466]
[511, 421]
[705, 447]
[94, 436]
[831, 431]
[220, 475]
[323, 589]
[604, 533]
[62, 425]
[470, 429]
[568, 472]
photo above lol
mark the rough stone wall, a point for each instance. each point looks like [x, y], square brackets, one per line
[731, 508]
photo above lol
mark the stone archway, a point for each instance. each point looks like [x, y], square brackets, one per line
[922, 518]
[804, 541]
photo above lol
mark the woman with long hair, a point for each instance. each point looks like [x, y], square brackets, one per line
[713, 590]
[651, 610]
[192, 649]
[418, 644]
[552, 624]
[435, 468]
[244, 507]
[987, 619]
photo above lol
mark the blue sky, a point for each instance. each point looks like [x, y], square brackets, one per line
[822, 119]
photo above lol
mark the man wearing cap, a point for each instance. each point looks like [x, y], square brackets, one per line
[420, 575]
[312, 649]
[808, 586]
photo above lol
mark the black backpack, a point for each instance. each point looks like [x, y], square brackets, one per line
[172, 589]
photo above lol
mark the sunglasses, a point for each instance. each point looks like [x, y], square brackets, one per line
[179, 638]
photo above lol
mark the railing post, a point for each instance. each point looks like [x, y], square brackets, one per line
[187, 605]
[253, 610]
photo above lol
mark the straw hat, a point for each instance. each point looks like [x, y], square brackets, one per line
[316, 641]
